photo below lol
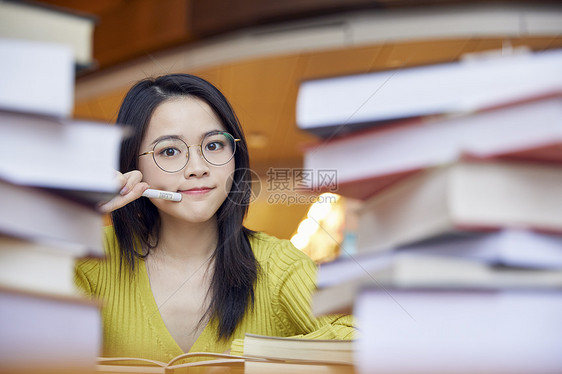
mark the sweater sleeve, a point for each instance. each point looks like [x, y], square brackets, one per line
[295, 295]
[85, 276]
[293, 276]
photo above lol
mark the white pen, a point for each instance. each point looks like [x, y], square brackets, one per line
[166, 195]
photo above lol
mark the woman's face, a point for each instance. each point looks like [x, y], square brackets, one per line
[203, 186]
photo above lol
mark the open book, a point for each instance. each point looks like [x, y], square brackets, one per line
[144, 365]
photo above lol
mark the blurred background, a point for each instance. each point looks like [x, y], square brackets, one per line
[257, 52]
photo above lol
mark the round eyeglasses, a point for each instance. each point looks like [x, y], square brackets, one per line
[172, 154]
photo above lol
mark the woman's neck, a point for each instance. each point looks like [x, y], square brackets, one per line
[187, 242]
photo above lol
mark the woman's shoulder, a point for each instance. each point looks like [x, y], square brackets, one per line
[90, 273]
[283, 266]
[270, 249]
[111, 248]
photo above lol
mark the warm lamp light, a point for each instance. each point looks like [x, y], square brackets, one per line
[319, 210]
[300, 241]
[308, 227]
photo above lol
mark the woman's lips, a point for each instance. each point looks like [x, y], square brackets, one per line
[196, 191]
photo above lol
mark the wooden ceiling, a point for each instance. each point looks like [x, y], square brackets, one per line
[128, 29]
[262, 89]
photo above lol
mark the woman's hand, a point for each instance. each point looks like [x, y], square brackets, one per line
[132, 188]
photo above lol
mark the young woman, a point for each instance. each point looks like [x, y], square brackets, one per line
[188, 276]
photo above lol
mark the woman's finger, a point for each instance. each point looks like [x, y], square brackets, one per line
[131, 189]
[132, 178]
[122, 200]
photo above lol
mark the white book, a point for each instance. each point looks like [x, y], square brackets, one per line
[36, 214]
[463, 196]
[459, 331]
[365, 161]
[37, 77]
[459, 87]
[48, 334]
[59, 153]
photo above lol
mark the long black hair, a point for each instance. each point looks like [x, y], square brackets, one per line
[137, 224]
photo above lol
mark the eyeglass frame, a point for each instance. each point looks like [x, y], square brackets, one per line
[200, 145]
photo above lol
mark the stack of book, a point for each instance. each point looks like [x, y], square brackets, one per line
[380, 128]
[53, 173]
[459, 244]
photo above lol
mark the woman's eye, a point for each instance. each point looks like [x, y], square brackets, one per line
[214, 146]
[169, 152]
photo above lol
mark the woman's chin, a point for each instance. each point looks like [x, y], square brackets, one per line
[195, 217]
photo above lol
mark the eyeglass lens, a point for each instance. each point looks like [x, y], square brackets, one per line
[173, 154]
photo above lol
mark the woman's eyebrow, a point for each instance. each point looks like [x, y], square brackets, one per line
[212, 132]
[165, 137]
[173, 137]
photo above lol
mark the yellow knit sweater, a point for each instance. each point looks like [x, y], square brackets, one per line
[133, 326]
